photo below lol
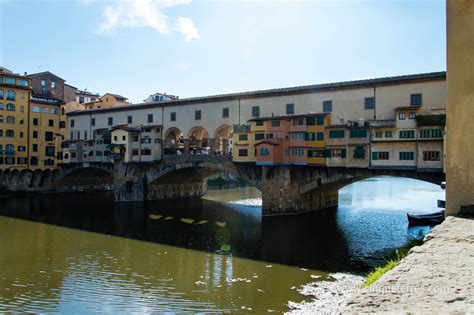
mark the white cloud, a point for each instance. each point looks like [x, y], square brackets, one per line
[186, 27]
[147, 13]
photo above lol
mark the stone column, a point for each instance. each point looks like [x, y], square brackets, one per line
[213, 143]
[186, 146]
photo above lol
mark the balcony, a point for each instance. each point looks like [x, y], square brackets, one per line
[431, 120]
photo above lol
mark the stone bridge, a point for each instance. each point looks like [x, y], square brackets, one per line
[285, 189]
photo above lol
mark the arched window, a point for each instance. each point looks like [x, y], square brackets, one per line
[2, 107]
[11, 95]
[9, 149]
[1, 94]
[1, 133]
[10, 120]
[10, 133]
[1, 119]
[11, 107]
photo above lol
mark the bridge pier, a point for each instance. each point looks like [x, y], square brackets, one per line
[281, 193]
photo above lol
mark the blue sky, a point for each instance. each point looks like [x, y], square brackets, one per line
[194, 48]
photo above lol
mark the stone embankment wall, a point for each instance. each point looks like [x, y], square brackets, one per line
[435, 278]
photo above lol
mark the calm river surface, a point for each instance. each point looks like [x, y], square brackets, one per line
[83, 253]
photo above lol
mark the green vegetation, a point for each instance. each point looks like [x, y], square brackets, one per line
[392, 261]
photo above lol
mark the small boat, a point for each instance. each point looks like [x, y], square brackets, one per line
[426, 219]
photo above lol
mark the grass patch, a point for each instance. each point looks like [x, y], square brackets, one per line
[392, 261]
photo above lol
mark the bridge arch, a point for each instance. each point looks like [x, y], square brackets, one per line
[87, 178]
[198, 137]
[223, 138]
[173, 140]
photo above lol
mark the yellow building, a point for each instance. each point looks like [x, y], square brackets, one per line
[15, 91]
[316, 127]
[243, 144]
[107, 100]
[45, 132]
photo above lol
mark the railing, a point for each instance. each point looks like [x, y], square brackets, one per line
[383, 123]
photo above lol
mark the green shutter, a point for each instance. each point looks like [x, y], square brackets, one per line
[374, 155]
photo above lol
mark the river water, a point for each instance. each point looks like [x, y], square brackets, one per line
[84, 253]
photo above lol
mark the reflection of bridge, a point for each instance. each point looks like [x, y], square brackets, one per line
[285, 189]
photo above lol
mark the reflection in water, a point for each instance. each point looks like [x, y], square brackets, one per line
[198, 255]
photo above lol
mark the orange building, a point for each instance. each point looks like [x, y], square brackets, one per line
[291, 139]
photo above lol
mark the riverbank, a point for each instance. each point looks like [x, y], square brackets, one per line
[436, 277]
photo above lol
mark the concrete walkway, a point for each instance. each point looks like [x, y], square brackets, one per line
[437, 277]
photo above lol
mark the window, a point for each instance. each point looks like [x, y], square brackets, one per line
[146, 151]
[22, 82]
[43, 82]
[431, 155]
[336, 134]
[2, 107]
[22, 96]
[225, 112]
[431, 133]
[48, 162]
[115, 138]
[407, 134]
[71, 123]
[297, 151]
[290, 109]
[298, 121]
[380, 156]
[1, 94]
[35, 134]
[21, 134]
[275, 123]
[412, 115]
[259, 123]
[327, 106]
[35, 147]
[243, 137]
[320, 136]
[62, 124]
[134, 139]
[1, 119]
[10, 95]
[85, 134]
[48, 136]
[369, 103]
[9, 149]
[264, 151]
[407, 156]
[51, 123]
[197, 115]
[269, 135]
[37, 109]
[401, 116]
[255, 111]
[311, 136]
[415, 99]
[243, 152]
[11, 107]
[98, 153]
[10, 120]
[92, 121]
[53, 84]
[129, 119]
[173, 116]
[81, 99]
[10, 81]
[35, 122]
[378, 134]
[358, 133]
[338, 153]
[298, 136]
[317, 153]
[388, 134]
[259, 136]
[110, 121]
[10, 133]
[359, 152]
[49, 151]
[150, 118]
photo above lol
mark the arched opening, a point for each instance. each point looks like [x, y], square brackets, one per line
[198, 140]
[173, 141]
[223, 139]
[87, 179]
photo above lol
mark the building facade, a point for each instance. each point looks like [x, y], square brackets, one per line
[350, 109]
[15, 93]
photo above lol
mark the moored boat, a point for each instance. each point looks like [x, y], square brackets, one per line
[426, 219]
